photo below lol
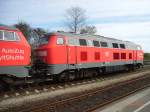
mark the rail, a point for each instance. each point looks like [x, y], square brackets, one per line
[89, 100]
[146, 62]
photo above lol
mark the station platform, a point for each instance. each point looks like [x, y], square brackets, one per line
[137, 102]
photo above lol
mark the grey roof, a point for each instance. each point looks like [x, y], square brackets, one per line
[128, 44]
[83, 35]
[8, 27]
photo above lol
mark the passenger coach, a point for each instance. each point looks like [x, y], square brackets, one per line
[60, 54]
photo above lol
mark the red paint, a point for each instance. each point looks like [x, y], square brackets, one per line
[69, 54]
[14, 53]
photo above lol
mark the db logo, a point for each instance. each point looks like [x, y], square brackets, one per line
[107, 54]
[140, 55]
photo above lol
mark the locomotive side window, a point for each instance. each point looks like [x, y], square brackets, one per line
[104, 44]
[82, 42]
[139, 48]
[97, 56]
[16, 37]
[116, 56]
[9, 35]
[115, 45]
[123, 55]
[73, 41]
[130, 55]
[122, 46]
[96, 43]
[90, 43]
[83, 56]
[1, 35]
[60, 41]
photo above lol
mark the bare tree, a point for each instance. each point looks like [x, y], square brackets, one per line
[31, 36]
[24, 27]
[40, 31]
[88, 30]
[75, 18]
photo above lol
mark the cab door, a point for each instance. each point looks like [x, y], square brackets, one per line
[72, 52]
[134, 56]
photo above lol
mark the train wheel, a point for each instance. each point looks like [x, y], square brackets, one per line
[133, 68]
[127, 68]
[82, 74]
[55, 78]
[139, 66]
[103, 70]
[63, 77]
[77, 74]
[72, 76]
[95, 73]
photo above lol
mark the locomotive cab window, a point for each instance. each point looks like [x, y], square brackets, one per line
[122, 46]
[16, 37]
[44, 40]
[104, 44]
[96, 43]
[1, 35]
[82, 42]
[9, 36]
[60, 41]
[115, 45]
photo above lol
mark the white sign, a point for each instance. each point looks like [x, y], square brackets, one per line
[13, 54]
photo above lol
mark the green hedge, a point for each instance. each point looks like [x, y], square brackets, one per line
[146, 56]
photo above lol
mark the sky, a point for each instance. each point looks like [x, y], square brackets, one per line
[122, 19]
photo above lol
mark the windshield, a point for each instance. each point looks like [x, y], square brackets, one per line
[44, 40]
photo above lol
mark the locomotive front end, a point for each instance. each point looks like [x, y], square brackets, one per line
[14, 52]
[51, 55]
[41, 57]
[14, 57]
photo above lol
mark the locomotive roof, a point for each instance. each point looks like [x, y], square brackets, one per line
[108, 39]
[128, 44]
[8, 27]
[87, 36]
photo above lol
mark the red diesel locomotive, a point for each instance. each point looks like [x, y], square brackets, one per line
[63, 56]
[67, 56]
[14, 54]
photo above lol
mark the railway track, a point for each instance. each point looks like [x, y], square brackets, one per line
[26, 89]
[50, 86]
[147, 62]
[100, 97]
[61, 105]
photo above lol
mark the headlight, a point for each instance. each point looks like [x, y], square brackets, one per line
[41, 53]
